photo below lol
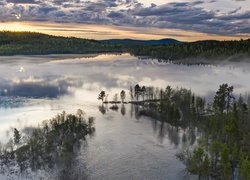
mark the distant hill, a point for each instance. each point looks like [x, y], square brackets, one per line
[29, 43]
[142, 42]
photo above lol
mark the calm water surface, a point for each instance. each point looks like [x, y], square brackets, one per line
[35, 88]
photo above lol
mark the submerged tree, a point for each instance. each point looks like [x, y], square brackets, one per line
[123, 110]
[101, 96]
[143, 92]
[123, 95]
[137, 91]
[53, 144]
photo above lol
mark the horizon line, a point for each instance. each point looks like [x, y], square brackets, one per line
[16, 31]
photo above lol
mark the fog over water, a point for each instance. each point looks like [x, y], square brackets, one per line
[35, 88]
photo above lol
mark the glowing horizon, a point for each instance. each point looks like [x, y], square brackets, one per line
[185, 20]
[101, 32]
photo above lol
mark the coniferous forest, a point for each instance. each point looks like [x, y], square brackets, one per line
[27, 43]
[124, 89]
[223, 149]
[222, 125]
[189, 52]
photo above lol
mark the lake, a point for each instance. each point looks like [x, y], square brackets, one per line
[124, 146]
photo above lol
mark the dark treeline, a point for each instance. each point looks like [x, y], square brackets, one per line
[27, 43]
[223, 151]
[197, 50]
[51, 146]
[174, 106]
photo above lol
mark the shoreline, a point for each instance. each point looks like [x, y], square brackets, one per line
[55, 56]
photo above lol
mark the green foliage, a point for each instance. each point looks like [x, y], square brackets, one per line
[245, 166]
[205, 171]
[225, 128]
[231, 126]
[225, 163]
[223, 98]
[198, 162]
[215, 148]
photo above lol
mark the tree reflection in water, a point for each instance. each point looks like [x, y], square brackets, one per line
[164, 128]
[102, 109]
[123, 110]
[51, 147]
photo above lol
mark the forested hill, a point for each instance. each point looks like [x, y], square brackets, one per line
[142, 42]
[27, 43]
[196, 51]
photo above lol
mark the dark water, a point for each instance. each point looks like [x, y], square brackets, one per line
[124, 146]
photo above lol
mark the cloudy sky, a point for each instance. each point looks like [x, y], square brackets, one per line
[141, 19]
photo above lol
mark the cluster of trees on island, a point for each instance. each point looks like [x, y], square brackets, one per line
[138, 94]
[223, 151]
[54, 144]
[27, 43]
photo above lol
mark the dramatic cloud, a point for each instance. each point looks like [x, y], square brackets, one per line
[200, 16]
[23, 1]
[189, 17]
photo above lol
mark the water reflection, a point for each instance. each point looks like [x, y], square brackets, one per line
[12, 102]
[126, 144]
[38, 87]
[176, 134]
[32, 90]
[53, 78]
[123, 110]
[103, 109]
